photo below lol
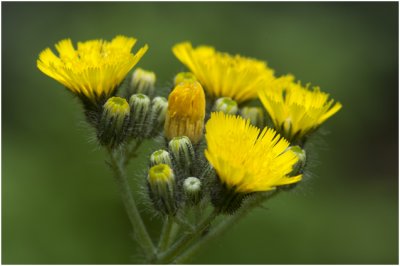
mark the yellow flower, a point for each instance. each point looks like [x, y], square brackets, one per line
[186, 111]
[296, 110]
[94, 70]
[224, 75]
[245, 159]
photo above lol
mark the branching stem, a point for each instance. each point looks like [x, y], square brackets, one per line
[165, 234]
[176, 249]
[139, 229]
[224, 225]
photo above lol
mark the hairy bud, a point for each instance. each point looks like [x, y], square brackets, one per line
[113, 126]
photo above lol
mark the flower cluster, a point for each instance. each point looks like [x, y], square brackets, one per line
[216, 149]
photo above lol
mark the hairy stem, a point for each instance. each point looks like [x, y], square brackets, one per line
[139, 229]
[174, 231]
[170, 255]
[225, 224]
[165, 234]
[130, 152]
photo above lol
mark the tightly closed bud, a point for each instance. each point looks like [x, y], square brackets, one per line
[226, 105]
[140, 109]
[255, 114]
[182, 151]
[159, 107]
[301, 155]
[114, 122]
[186, 112]
[182, 76]
[192, 189]
[161, 184]
[142, 81]
[160, 157]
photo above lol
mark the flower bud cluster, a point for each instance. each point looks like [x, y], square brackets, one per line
[188, 178]
[120, 121]
[179, 175]
[217, 150]
[147, 116]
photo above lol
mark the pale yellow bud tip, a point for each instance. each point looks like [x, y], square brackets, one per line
[160, 173]
[182, 76]
[117, 106]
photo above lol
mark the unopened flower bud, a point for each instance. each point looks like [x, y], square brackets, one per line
[192, 190]
[140, 109]
[159, 107]
[287, 128]
[142, 81]
[182, 76]
[161, 184]
[160, 157]
[114, 122]
[254, 114]
[301, 155]
[186, 112]
[226, 105]
[182, 151]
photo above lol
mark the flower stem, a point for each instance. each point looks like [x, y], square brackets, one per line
[174, 231]
[124, 188]
[225, 224]
[130, 152]
[165, 233]
[170, 255]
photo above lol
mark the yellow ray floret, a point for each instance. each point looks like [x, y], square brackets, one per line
[94, 69]
[296, 110]
[245, 159]
[224, 75]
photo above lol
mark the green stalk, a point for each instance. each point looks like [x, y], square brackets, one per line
[130, 152]
[174, 231]
[225, 224]
[165, 234]
[170, 255]
[139, 229]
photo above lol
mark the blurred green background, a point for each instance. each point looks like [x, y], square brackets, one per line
[60, 204]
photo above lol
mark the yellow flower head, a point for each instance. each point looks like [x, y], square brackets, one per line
[224, 75]
[294, 109]
[186, 111]
[94, 70]
[245, 159]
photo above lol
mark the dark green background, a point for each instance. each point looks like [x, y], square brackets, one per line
[60, 204]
